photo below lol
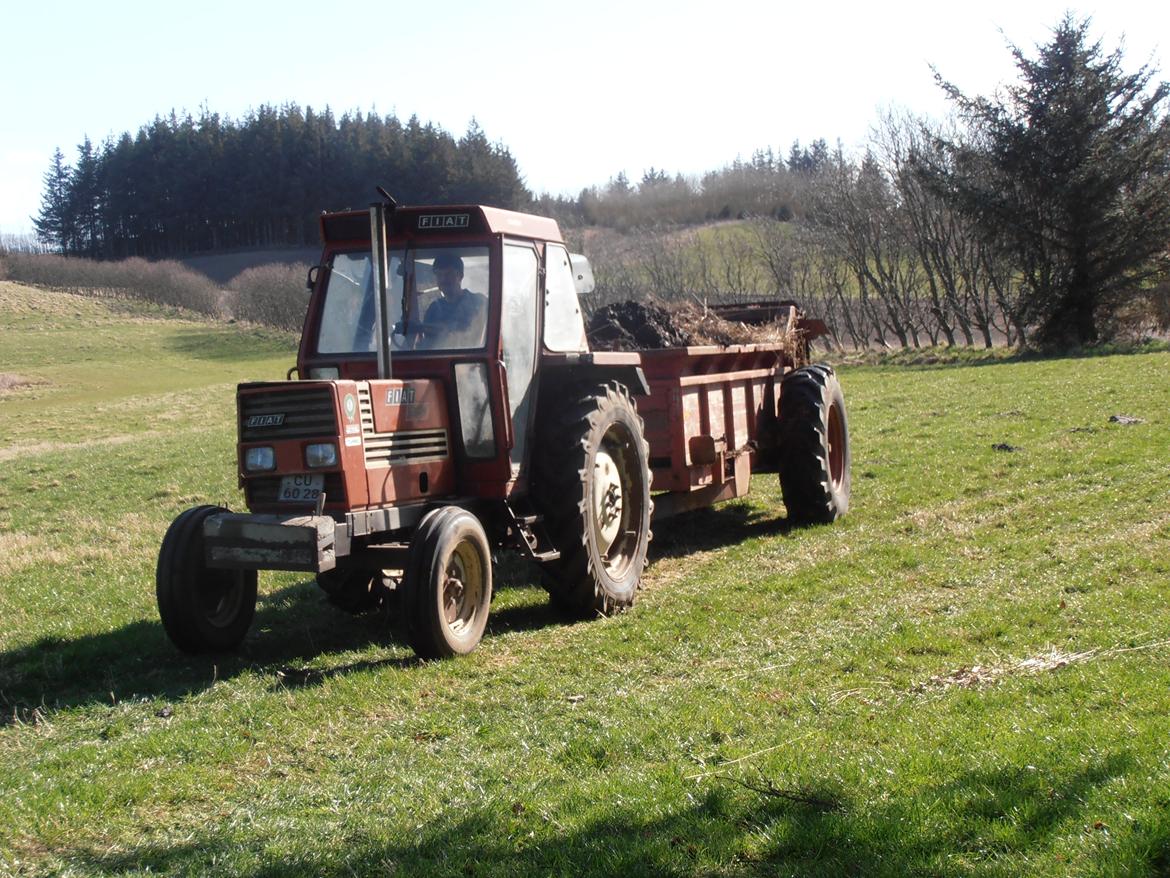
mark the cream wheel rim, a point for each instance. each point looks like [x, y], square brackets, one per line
[607, 500]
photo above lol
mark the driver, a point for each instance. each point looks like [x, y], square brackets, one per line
[457, 317]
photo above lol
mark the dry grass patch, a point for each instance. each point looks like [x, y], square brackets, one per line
[19, 551]
[62, 307]
[92, 542]
[32, 449]
[212, 401]
[10, 381]
[977, 676]
[950, 519]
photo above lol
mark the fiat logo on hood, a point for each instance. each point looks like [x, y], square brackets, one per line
[265, 421]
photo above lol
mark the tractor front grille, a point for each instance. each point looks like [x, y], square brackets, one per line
[287, 414]
[366, 408]
[413, 446]
[401, 446]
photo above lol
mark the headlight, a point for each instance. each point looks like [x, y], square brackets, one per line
[324, 373]
[321, 454]
[259, 459]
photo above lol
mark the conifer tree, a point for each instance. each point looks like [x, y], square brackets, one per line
[52, 223]
[1068, 171]
[186, 184]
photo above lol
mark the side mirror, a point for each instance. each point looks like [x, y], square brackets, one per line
[582, 274]
[311, 279]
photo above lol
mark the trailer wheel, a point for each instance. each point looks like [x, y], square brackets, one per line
[593, 487]
[448, 584]
[203, 609]
[815, 457]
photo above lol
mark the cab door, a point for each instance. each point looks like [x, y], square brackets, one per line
[518, 338]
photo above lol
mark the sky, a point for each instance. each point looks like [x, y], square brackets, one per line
[577, 92]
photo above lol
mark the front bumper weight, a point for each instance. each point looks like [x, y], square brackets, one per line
[241, 541]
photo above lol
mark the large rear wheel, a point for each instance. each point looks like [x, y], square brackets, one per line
[203, 609]
[815, 457]
[593, 487]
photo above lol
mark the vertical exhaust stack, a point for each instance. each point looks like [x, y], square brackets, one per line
[378, 217]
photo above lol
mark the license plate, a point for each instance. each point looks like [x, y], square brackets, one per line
[302, 488]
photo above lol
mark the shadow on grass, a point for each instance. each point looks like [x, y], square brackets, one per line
[715, 526]
[527, 617]
[293, 626]
[973, 821]
[138, 660]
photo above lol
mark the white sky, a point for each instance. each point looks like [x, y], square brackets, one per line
[576, 96]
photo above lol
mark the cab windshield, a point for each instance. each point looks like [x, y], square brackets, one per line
[437, 300]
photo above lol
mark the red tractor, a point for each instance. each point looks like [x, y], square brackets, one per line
[448, 407]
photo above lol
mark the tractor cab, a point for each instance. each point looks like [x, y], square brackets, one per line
[457, 304]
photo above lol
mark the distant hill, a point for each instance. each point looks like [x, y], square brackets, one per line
[222, 267]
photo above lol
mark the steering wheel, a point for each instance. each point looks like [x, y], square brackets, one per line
[410, 331]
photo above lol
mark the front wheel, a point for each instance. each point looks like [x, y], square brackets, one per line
[203, 609]
[815, 457]
[448, 584]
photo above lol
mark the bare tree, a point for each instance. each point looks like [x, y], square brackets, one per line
[855, 205]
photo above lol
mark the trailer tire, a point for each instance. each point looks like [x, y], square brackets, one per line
[815, 455]
[593, 487]
[448, 582]
[203, 609]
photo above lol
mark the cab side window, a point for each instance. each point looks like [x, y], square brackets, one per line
[564, 327]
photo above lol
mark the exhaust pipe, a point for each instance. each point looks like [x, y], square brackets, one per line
[379, 212]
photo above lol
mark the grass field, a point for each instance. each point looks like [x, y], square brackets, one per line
[968, 675]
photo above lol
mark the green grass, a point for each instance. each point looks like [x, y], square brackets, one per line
[966, 676]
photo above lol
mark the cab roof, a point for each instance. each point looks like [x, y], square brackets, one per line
[424, 221]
